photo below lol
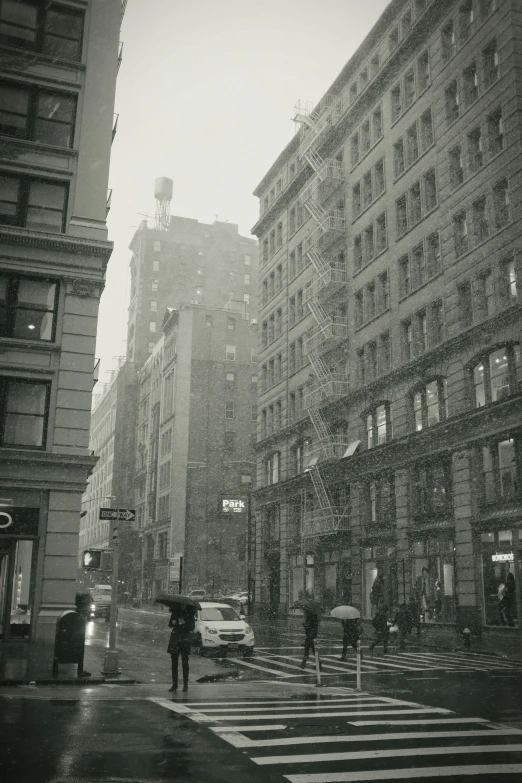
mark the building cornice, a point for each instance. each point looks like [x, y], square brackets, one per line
[64, 243]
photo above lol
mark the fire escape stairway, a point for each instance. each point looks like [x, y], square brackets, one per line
[320, 490]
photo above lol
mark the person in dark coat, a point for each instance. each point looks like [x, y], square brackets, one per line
[351, 635]
[414, 607]
[404, 623]
[382, 629]
[507, 602]
[311, 626]
[182, 622]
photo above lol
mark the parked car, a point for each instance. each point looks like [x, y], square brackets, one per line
[220, 629]
[197, 594]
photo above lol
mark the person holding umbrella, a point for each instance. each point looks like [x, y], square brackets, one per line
[350, 619]
[182, 621]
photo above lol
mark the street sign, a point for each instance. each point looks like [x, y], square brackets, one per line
[122, 514]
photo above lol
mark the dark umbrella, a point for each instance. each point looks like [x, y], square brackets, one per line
[176, 601]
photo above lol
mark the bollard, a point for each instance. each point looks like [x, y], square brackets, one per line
[317, 667]
[358, 654]
[466, 633]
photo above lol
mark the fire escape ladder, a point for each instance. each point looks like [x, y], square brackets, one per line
[318, 260]
[314, 159]
[318, 366]
[315, 210]
[320, 490]
[318, 311]
[319, 423]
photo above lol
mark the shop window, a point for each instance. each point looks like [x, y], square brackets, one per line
[28, 202]
[36, 114]
[497, 376]
[42, 27]
[500, 471]
[24, 406]
[28, 307]
[434, 579]
[378, 425]
[17, 571]
[431, 497]
[499, 549]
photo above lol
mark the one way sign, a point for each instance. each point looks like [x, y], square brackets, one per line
[122, 514]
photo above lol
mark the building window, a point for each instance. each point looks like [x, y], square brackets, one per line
[409, 88]
[230, 441]
[460, 231]
[456, 166]
[230, 377]
[378, 426]
[394, 39]
[231, 324]
[365, 137]
[272, 468]
[491, 64]
[432, 491]
[452, 103]
[466, 17]
[36, 114]
[448, 41]
[497, 376]
[399, 161]
[501, 204]
[357, 253]
[426, 130]
[156, 265]
[32, 203]
[480, 219]
[475, 151]
[407, 340]
[423, 71]
[496, 131]
[229, 409]
[354, 149]
[412, 144]
[24, 407]
[380, 501]
[42, 27]
[401, 215]
[28, 307]
[230, 353]
[154, 306]
[154, 286]
[429, 404]
[396, 102]
[377, 124]
[509, 279]
[470, 78]
[152, 326]
[500, 471]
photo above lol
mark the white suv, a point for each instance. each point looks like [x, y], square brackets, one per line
[220, 628]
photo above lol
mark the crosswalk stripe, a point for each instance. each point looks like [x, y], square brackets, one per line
[255, 703]
[337, 703]
[238, 729]
[385, 754]
[416, 722]
[340, 714]
[255, 666]
[445, 660]
[245, 742]
[427, 664]
[412, 772]
[351, 662]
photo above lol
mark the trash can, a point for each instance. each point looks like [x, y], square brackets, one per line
[69, 641]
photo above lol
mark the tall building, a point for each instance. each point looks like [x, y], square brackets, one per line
[195, 427]
[58, 67]
[186, 261]
[111, 483]
[389, 446]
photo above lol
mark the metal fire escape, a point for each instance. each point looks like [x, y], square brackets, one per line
[329, 331]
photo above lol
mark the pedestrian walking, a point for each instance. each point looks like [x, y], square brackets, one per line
[507, 602]
[182, 621]
[414, 607]
[382, 629]
[351, 635]
[311, 627]
[404, 622]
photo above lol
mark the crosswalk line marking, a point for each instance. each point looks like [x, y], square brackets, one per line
[272, 659]
[427, 665]
[238, 729]
[246, 742]
[242, 662]
[412, 772]
[319, 698]
[473, 659]
[351, 662]
[308, 663]
[444, 660]
[341, 714]
[182, 709]
[386, 754]
[349, 702]
[382, 661]
[416, 722]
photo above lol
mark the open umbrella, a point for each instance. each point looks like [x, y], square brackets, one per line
[345, 613]
[176, 601]
[308, 606]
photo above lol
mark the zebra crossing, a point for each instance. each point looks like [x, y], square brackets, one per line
[284, 662]
[358, 737]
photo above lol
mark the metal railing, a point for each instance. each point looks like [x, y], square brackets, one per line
[326, 335]
[322, 521]
[319, 392]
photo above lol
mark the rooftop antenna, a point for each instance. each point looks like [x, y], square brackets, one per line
[163, 196]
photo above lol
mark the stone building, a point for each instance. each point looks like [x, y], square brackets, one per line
[58, 66]
[389, 445]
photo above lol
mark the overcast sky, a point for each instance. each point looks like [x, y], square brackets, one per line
[205, 95]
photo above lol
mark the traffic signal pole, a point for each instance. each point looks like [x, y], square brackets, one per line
[110, 663]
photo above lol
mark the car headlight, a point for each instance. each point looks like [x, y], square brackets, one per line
[210, 630]
[248, 629]
[93, 607]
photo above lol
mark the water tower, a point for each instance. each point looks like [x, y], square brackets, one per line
[163, 196]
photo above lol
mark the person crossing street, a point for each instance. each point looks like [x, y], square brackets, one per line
[351, 635]
[182, 621]
[382, 629]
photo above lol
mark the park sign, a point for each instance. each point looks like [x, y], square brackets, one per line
[234, 505]
[120, 514]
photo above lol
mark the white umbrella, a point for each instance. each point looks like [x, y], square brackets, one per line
[345, 613]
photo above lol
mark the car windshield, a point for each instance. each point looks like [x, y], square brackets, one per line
[218, 613]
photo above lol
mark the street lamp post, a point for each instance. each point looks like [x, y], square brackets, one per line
[110, 662]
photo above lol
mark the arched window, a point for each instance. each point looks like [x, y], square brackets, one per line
[497, 375]
[430, 403]
[378, 425]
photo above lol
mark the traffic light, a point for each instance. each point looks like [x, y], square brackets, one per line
[91, 558]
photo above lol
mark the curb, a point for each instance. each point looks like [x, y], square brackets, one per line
[72, 681]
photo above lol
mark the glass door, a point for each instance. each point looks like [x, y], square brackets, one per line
[17, 569]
